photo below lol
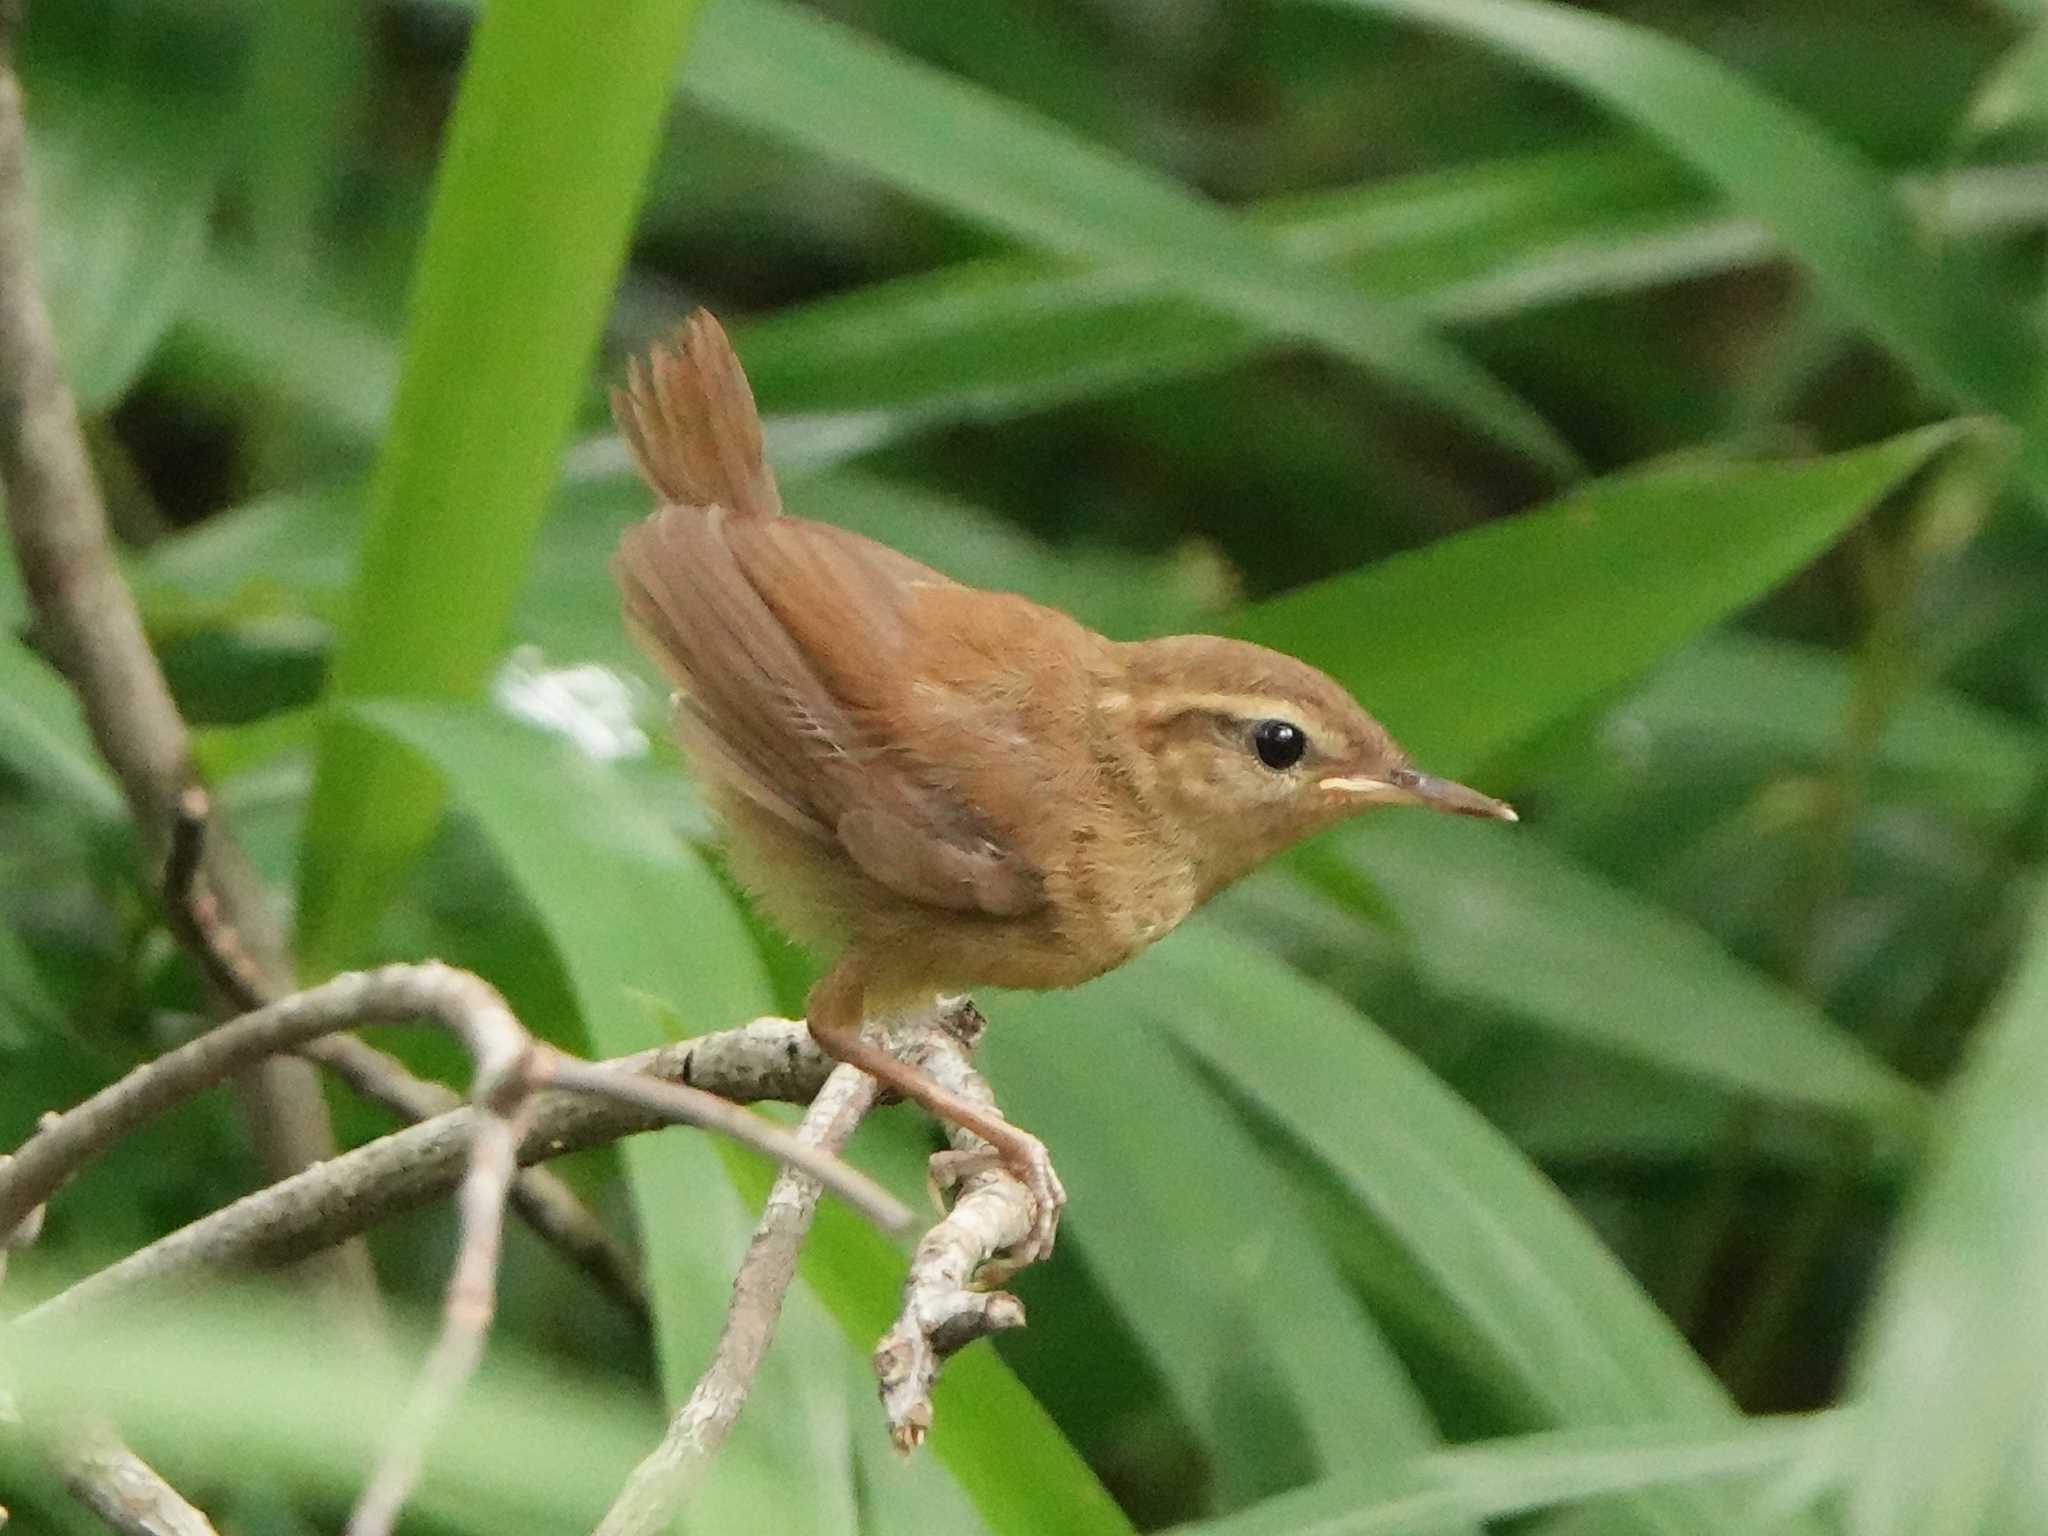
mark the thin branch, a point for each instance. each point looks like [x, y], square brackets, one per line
[509, 1066]
[693, 1106]
[508, 1062]
[542, 1200]
[466, 1313]
[124, 1490]
[65, 1143]
[87, 621]
[503, 1054]
[769, 1059]
[647, 1505]
[996, 1212]
[195, 914]
[27, 1229]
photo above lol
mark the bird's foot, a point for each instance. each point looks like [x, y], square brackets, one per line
[1033, 1164]
[1025, 1159]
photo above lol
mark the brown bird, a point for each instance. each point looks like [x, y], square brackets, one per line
[944, 787]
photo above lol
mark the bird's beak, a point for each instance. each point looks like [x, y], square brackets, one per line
[1404, 786]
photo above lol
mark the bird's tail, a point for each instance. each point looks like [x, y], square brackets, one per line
[689, 418]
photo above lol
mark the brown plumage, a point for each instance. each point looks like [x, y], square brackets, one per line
[944, 787]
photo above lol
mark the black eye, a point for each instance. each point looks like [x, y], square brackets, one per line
[1279, 743]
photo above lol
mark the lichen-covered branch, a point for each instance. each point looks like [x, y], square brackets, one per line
[942, 1311]
[948, 1299]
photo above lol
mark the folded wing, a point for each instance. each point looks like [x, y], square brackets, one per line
[791, 645]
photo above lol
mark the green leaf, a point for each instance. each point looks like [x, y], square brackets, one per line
[254, 1381]
[1520, 1281]
[294, 552]
[647, 935]
[1001, 335]
[1121, 593]
[785, 71]
[1499, 1240]
[122, 210]
[1493, 915]
[1831, 210]
[508, 298]
[25, 1002]
[294, 555]
[1953, 1374]
[570, 606]
[1503, 1478]
[1790, 700]
[2016, 93]
[1477, 642]
[13, 601]
[1255, 1284]
[252, 323]
[43, 736]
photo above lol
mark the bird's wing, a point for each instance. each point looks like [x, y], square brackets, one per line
[792, 643]
[795, 647]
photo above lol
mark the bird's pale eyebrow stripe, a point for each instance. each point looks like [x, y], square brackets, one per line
[1240, 706]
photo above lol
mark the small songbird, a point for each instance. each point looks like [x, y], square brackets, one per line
[943, 787]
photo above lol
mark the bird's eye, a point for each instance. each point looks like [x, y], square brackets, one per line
[1279, 743]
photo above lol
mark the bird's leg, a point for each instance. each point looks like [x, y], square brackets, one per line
[836, 1013]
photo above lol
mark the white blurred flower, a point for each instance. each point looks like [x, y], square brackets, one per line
[590, 705]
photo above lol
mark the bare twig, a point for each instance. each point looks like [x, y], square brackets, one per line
[648, 1503]
[941, 1313]
[503, 1052]
[510, 1065]
[769, 1058]
[947, 1304]
[101, 1472]
[63, 1143]
[507, 1060]
[284, 1222]
[542, 1200]
[123, 1490]
[23, 1232]
[87, 620]
[466, 1314]
[195, 912]
[693, 1106]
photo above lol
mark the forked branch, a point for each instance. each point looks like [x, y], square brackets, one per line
[197, 917]
[510, 1067]
[942, 1312]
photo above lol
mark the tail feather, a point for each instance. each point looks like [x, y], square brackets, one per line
[689, 419]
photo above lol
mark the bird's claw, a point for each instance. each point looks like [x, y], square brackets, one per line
[1031, 1165]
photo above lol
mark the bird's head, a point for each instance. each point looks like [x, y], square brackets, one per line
[1253, 750]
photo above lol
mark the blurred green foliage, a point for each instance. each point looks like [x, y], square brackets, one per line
[1640, 407]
